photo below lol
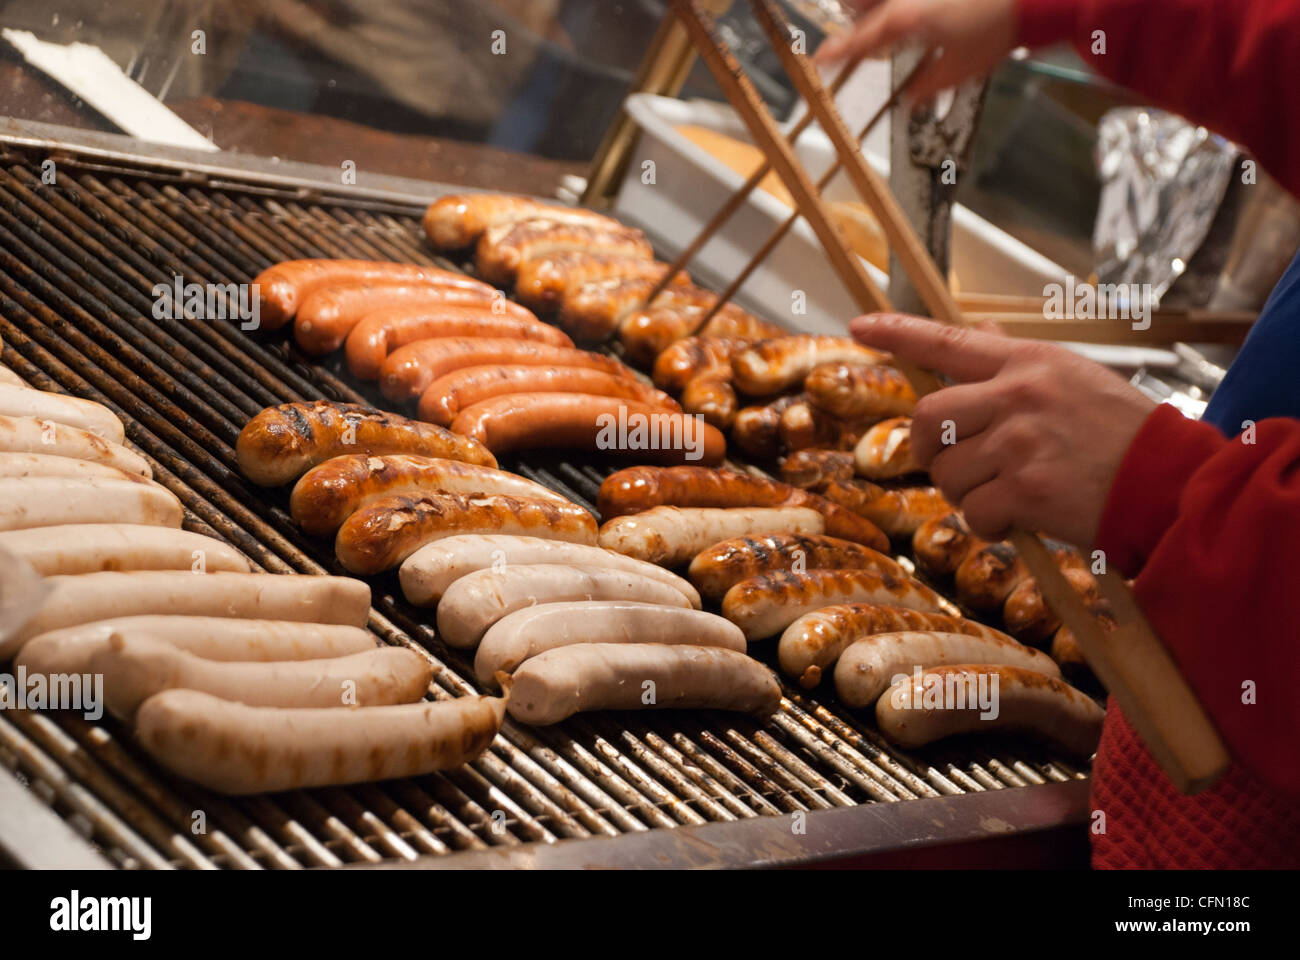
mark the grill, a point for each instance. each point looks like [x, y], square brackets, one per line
[78, 262]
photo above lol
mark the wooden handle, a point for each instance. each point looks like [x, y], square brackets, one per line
[1131, 660]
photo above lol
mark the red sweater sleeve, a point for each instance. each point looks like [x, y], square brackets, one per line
[1221, 63]
[1211, 528]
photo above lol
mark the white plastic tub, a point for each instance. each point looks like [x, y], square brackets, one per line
[690, 185]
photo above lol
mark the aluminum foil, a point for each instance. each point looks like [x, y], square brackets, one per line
[1163, 180]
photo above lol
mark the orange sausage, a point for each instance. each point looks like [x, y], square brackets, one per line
[328, 315]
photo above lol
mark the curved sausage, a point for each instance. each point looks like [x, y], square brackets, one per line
[1024, 702]
[92, 547]
[814, 642]
[852, 391]
[450, 394]
[899, 512]
[733, 322]
[327, 494]
[779, 364]
[458, 220]
[282, 443]
[137, 668]
[544, 282]
[526, 633]
[474, 603]
[1027, 616]
[427, 573]
[71, 411]
[713, 398]
[621, 676]
[15, 466]
[502, 249]
[765, 605]
[802, 426]
[813, 469]
[583, 421]
[282, 287]
[756, 431]
[692, 357]
[725, 564]
[592, 311]
[192, 734]
[410, 370]
[380, 333]
[29, 435]
[52, 501]
[647, 332]
[988, 575]
[942, 543]
[380, 536]
[885, 450]
[671, 536]
[867, 667]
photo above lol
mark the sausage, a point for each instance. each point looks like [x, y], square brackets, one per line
[723, 565]
[526, 633]
[671, 536]
[814, 642]
[282, 443]
[92, 547]
[453, 392]
[15, 466]
[1066, 652]
[330, 492]
[329, 315]
[71, 411]
[1026, 614]
[458, 220]
[647, 332]
[988, 575]
[380, 333]
[852, 391]
[410, 370]
[712, 397]
[381, 535]
[765, 605]
[899, 512]
[867, 667]
[427, 573]
[1025, 702]
[98, 596]
[7, 376]
[942, 543]
[503, 248]
[69, 649]
[475, 602]
[813, 469]
[543, 282]
[282, 287]
[802, 426]
[136, 669]
[885, 450]
[585, 421]
[29, 435]
[236, 749]
[632, 676]
[51, 501]
[593, 310]
[756, 431]
[781, 363]
[735, 322]
[693, 357]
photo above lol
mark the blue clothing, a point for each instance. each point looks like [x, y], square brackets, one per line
[1264, 380]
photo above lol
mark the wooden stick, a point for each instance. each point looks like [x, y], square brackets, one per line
[1132, 662]
[1165, 328]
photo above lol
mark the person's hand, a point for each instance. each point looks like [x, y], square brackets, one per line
[974, 36]
[1031, 436]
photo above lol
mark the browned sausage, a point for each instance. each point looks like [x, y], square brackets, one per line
[282, 443]
[813, 469]
[591, 311]
[381, 535]
[281, 288]
[678, 313]
[712, 397]
[899, 512]
[450, 394]
[756, 431]
[988, 575]
[503, 248]
[719, 568]
[852, 391]
[1026, 614]
[380, 333]
[734, 322]
[409, 370]
[941, 544]
[584, 421]
[693, 357]
[458, 220]
[782, 363]
[803, 425]
[543, 282]
[885, 450]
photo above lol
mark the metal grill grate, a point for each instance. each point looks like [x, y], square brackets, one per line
[78, 262]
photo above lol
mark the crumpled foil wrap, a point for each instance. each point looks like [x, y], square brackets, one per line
[1163, 180]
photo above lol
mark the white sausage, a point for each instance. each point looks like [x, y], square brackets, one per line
[70, 411]
[1025, 702]
[427, 573]
[140, 667]
[69, 649]
[92, 547]
[99, 596]
[51, 501]
[671, 536]
[474, 603]
[526, 633]
[236, 749]
[29, 435]
[19, 465]
[867, 668]
[632, 676]
[7, 376]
